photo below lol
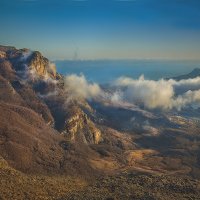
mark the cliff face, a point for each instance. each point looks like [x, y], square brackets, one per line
[79, 127]
[25, 61]
[41, 65]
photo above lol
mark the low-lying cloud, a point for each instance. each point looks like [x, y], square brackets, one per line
[190, 97]
[79, 87]
[162, 94]
[153, 94]
[52, 68]
[25, 55]
[185, 85]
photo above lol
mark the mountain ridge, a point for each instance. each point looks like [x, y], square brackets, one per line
[28, 74]
[193, 74]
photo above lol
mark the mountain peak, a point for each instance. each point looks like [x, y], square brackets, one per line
[195, 71]
[193, 74]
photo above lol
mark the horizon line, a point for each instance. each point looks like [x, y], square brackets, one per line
[127, 59]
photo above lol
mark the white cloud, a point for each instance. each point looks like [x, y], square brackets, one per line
[185, 85]
[78, 86]
[190, 97]
[49, 94]
[162, 94]
[153, 94]
[52, 68]
[26, 55]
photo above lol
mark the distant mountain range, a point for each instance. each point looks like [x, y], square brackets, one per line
[193, 74]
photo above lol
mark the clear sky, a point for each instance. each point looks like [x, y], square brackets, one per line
[99, 29]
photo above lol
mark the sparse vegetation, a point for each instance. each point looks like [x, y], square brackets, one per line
[20, 186]
[139, 187]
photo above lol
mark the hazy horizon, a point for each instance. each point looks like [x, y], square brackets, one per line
[107, 71]
[126, 59]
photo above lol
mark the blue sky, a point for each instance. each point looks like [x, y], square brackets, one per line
[110, 29]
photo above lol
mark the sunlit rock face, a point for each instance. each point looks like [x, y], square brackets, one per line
[41, 65]
[27, 62]
[78, 126]
[2, 54]
[38, 63]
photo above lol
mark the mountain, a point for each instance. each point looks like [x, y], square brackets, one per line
[33, 137]
[54, 146]
[193, 74]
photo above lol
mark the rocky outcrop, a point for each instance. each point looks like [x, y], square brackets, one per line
[78, 126]
[33, 60]
[2, 54]
[41, 65]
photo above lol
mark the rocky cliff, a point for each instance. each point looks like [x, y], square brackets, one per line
[78, 126]
[41, 65]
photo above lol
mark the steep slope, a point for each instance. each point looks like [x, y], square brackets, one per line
[27, 143]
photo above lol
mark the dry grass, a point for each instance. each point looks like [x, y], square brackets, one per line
[137, 155]
[104, 164]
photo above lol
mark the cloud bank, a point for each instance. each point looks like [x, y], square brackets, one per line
[161, 94]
